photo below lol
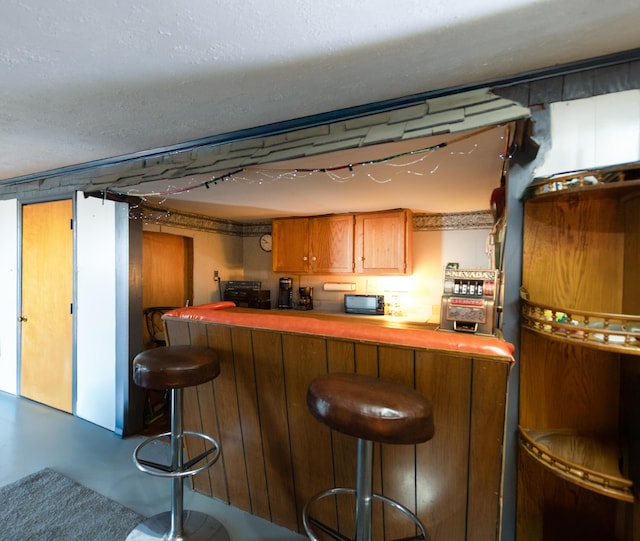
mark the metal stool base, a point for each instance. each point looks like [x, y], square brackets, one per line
[210, 456]
[178, 524]
[196, 527]
[310, 523]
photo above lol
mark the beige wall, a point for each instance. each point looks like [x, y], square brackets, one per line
[418, 293]
[238, 258]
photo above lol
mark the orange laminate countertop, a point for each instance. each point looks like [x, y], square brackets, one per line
[411, 335]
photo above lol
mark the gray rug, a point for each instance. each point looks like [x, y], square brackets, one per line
[47, 506]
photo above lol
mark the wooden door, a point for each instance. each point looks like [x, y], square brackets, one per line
[167, 270]
[331, 240]
[46, 364]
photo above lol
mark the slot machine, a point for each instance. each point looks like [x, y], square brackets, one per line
[470, 301]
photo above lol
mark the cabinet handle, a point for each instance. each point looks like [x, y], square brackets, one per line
[305, 258]
[313, 258]
[22, 319]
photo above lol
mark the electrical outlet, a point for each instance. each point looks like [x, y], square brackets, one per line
[216, 275]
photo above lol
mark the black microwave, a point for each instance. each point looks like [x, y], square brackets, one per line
[372, 305]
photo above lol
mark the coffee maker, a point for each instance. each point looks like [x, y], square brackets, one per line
[305, 302]
[285, 293]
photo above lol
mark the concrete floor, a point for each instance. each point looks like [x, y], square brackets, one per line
[33, 437]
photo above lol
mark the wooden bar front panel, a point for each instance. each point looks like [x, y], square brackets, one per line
[275, 455]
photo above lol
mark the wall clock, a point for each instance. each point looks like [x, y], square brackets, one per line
[266, 242]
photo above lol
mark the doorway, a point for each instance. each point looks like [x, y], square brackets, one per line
[167, 279]
[167, 282]
[46, 360]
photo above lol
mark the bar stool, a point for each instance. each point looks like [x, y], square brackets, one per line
[372, 410]
[174, 368]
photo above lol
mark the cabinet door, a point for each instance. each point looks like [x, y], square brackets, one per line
[383, 242]
[290, 245]
[331, 243]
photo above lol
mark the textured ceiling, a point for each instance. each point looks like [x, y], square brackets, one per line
[90, 80]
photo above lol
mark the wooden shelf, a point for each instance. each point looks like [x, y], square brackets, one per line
[600, 181]
[585, 460]
[609, 332]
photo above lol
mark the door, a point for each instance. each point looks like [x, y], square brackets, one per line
[46, 362]
[167, 269]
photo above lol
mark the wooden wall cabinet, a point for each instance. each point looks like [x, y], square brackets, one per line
[579, 434]
[383, 242]
[370, 243]
[316, 245]
[290, 245]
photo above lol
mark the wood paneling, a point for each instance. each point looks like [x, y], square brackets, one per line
[311, 451]
[274, 427]
[486, 439]
[398, 461]
[284, 456]
[227, 421]
[442, 464]
[341, 358]
[250, 421]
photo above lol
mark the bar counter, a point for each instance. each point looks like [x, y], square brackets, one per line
[275, 455]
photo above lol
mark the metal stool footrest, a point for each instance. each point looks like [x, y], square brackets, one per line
[309, 522]
[209, 456]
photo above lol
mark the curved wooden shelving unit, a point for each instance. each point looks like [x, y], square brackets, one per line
[580, 343]
[610, 332]
[586, 460]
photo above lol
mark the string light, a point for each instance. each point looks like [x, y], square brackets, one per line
[334, 172]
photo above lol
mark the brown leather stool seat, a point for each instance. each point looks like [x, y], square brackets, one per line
[174, 368]
[372, 410]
